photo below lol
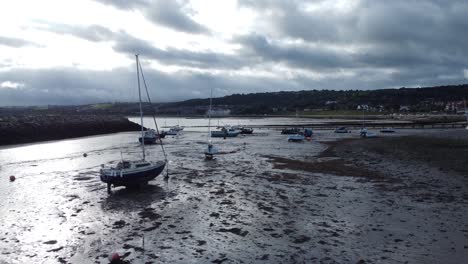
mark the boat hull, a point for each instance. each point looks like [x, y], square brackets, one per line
[148, 140]
[132, 178]
[296, 138]
[223, 134]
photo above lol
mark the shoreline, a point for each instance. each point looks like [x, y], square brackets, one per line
[15, 130]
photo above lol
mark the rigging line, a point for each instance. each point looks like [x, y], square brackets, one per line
[154, 117]
[141, 109]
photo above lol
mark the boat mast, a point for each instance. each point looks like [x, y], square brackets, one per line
[362, 106]
[141, 108]
[465, 112]
[209, 114]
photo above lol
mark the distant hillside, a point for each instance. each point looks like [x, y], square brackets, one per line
[446, 99]
[441, 98]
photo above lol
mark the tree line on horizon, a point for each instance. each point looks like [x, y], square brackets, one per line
[427, 99]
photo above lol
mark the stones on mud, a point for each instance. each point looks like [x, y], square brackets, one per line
[215, 215]
[148, 213]
[156, 225]
[50, 242]
[136, 248]
[220, 259]
[201, 242]
[276, 235]
[264, 207]
[218, 192]
[200, 184]
[55, 249]
[226, 201]
[234, 230]
[183, 232]
[119, 224]
[301, 239]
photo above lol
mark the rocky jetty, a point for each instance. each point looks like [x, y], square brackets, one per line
[18, 129]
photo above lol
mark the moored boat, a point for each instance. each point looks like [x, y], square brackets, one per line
[290, 131]
[131, 173]
[225, 132]
[150, 137]
[364, 133]
[296, 138]
[387, 130]
[134, 172]
[342, 130]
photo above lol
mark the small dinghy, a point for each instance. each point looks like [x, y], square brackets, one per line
[342, 130]
[296, 138]
[367, 134]
[387, 130]
[211, 151]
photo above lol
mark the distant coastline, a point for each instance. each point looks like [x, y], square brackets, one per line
[20, 129]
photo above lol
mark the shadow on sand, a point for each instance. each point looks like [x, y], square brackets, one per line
[130, 199]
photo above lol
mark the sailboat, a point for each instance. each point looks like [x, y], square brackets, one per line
[133, 172]
[211, 150]
[363, 132]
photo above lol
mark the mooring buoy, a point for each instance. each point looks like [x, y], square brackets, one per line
[114, 257]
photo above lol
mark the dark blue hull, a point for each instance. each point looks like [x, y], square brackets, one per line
[148, 140]
[133, 179]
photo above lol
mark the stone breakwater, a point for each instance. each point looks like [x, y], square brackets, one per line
[18, 129]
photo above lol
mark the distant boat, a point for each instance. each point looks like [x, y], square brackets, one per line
[290, 131]
[225, 132]
[308, 132]
[133, 172]
[243, 130]
[342, 130]
[177, 128]
[387, 130]
[172, 132]
[211, 150]
[150, 136]
[296, 138]
[364, 133]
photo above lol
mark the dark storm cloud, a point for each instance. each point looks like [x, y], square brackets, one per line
[299, 56]
[402, 35]
[130, 45]
[172, 14]
[16, 42]
[72, 86]
[374, 44]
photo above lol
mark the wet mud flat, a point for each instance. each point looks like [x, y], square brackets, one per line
[335, 199]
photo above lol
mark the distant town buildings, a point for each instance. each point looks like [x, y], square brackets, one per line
[219, 112]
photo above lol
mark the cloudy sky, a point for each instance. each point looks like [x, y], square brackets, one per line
[76, 52]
